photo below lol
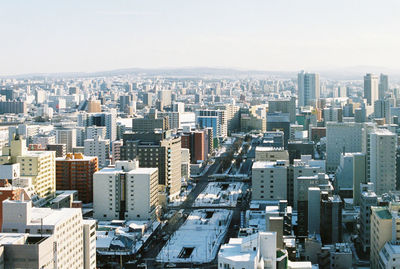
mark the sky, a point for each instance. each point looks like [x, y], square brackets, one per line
[47, 36]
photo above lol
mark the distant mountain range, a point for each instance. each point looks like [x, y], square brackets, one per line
[349, 73]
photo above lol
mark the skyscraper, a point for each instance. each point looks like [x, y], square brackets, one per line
[371, 88]
[308, 88]
[383, 86]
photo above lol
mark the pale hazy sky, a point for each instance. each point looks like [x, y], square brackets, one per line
[94, 35]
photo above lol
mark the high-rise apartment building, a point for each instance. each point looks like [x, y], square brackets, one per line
[382, 146]
[93, 106]
[215, 119]
[15, 107]
[66, 136]
[38, 165]
[371, 85]
[126, 191]
[65, 225]
[308, 88]
[98, 147]
[75, 172]
[156, 150]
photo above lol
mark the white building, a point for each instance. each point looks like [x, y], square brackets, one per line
[341, 137]
[255, 251]
[67, 137]
[66, 226]
[125, 191]
[93, 131]
[371, 88]
[382, 160]
[98, 147]
[389, 256]
[269, 181]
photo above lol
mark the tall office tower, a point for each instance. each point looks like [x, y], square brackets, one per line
[314, 210]
[38, 165]
[124, 101]
[371, 88]
[110, 122]
[72, 240]
[75, 172]
[98, 147]
[93, 106]
[165, 96]
[93, 131]
[269, 180]
[156, 150]
[383, 86]
[151, 122]
[359, 175]
[331, 219]
[304, 183]
[368, 199]
[382, 160]
[66, 136]
[341, 138]
[126, 191]
[148, 99]
[305, 167]
[198, 144]
[344, 174]
[384, 223]
[382, 110]
[215, 119]
[308, 88]
[284, 106]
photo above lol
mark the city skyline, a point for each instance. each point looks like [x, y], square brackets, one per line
[52, 37]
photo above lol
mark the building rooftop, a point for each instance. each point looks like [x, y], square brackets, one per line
[263, 164]
[381, 212]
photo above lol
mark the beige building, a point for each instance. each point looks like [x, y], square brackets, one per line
[65, 225]
[269, 181]
[384, 223]
[38, 165]
[250, 122]
[125, 191]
